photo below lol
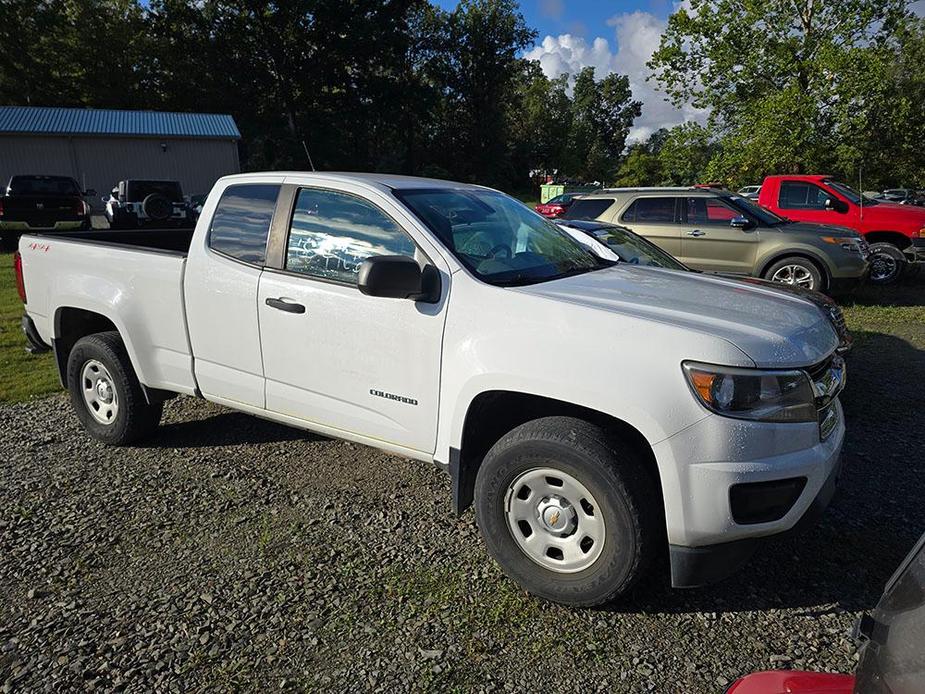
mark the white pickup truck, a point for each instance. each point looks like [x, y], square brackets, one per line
[597, 412]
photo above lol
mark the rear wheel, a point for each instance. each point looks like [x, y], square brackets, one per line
[887, 263]
[570, 514]
[105, 392]
[796, 270]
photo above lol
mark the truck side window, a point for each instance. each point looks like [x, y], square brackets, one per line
[332, 234]
[799, 195]
[241, 222]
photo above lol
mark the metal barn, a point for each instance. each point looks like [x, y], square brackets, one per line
[100, 147]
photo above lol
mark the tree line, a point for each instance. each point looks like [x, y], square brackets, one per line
[404, 86]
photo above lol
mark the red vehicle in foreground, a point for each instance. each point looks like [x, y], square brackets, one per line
[892, 650]
[555, 207]
[896, 233]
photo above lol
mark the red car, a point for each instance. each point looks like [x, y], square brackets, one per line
[555, 207]
[896, 233]
[892, 650]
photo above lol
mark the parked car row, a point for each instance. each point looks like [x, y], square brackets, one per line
[57, 203]
[812, 231]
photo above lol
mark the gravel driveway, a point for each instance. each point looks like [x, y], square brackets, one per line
[235, 553]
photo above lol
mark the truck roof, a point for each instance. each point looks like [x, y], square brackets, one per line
[383, 180]
[815, 178]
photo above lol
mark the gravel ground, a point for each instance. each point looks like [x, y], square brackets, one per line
[232, 553]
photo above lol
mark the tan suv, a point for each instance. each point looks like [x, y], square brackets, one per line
[715, 230]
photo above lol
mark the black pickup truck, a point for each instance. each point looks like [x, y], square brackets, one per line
[42, 203]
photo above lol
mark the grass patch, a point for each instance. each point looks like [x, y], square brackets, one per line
[22, 375]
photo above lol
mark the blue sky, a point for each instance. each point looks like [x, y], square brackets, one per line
[611, 36]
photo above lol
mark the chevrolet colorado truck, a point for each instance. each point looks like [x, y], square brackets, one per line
[598, 413]
[896, 233]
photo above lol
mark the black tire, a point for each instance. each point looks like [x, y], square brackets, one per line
[134, 418]
[887, 263]
[794, 261]
[614, 475]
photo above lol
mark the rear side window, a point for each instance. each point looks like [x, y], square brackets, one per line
[333, 233]
[650, 211]
[797, 195]
[591, 208]
[241, 222]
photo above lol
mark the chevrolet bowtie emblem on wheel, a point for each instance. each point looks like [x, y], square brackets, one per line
[554, 519]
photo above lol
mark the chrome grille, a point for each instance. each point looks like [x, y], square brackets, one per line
[828, 377]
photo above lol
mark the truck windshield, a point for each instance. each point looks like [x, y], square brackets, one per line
[847, 191]
[497, 238]
[43, 185]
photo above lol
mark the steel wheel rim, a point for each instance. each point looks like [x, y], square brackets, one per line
[554, 520]
[794, 274]
[99, 392]
[882, 267]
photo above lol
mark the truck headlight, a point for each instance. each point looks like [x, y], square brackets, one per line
[755, 394]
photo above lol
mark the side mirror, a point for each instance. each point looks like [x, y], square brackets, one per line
[398, 277]
[836, 205]
[741, 222]
[90, 192]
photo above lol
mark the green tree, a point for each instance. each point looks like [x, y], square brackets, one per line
[640, 167]
[685, 153]
[602, 115]
[773, 73]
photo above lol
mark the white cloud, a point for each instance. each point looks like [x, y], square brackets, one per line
[637, 35]
[918, 8]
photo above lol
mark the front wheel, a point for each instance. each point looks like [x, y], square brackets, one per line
[105, 392]
[887, 263]
[569, 514]
[796, 270]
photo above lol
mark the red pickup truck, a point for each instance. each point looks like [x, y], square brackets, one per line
[896, 233]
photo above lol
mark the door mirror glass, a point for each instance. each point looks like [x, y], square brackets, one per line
[741, 222]
[398, 277]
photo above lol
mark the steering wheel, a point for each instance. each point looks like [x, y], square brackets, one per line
[493, 253]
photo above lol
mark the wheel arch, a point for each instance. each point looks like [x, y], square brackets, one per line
[492, 414]
[816, 259]
[71, 323]
[900, 240]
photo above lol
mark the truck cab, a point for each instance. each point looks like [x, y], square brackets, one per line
[896, 233]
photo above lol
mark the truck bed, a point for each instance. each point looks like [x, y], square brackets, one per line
[175, 241]
[134, 278]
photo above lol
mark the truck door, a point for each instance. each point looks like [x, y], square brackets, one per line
[221, 294]
[710, 243]
[804, 201]
[359, 364]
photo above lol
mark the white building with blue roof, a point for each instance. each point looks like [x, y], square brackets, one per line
[100, 147]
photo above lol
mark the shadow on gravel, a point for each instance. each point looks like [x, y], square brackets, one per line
[877, 514]
[225, 429]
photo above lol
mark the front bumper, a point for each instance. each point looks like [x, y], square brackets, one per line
[700, 466]
[916, 252]
[693, 567]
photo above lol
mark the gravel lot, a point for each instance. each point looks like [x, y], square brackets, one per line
[235, 553]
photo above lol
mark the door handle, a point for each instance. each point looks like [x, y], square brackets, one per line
[696, 232]
[286, 305]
